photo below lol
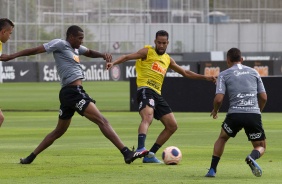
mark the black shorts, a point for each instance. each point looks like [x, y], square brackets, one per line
[251, 122]
[146, 96]
[73, 98]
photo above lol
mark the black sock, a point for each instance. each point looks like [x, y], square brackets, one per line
[214, 162]
[141, 141]
[255, 154]
[125, 151]
[155, 148]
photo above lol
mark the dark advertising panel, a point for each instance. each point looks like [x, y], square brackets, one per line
[129, 69]
[93, 71]
[277, 68]
[19, 72]
[213, 68]
[185, 95]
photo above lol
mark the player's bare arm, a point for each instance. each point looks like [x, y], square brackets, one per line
[141, 54]
[95, 54]
[189, 74]
[26, 52]
[218, 99]
[262, 99]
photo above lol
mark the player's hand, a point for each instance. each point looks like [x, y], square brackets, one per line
[5, 57]
[214, 114]
[107, 57]
[212, 78]
[109, 66]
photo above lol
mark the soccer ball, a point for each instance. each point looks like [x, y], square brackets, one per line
[171, 155]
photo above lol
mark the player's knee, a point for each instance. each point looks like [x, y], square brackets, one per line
[172, 127]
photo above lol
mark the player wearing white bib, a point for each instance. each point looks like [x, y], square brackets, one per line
[6, 29]
[73, 97]
[247, 98]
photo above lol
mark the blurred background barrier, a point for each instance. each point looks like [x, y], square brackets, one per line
[186, 95]
[96, 70]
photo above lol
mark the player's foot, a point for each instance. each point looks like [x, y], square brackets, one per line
[151, 158]
[211, 173]
[134, 155]
[28, 159]
[25, 161]
[254, 166]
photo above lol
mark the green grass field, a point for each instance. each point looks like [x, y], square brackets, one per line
[84, 155]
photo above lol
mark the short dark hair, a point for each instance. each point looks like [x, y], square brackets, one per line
[73, 30]
[5, 22]
[162, 33]
[234, 55]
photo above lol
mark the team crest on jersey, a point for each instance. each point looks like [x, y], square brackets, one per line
[76, 58]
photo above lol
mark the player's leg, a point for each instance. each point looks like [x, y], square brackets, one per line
[255, 132]
[60, 129]
[147, 115]
[220, 144]
[1, 117]
[93, 114]
[257, 152]
[218, 150]
[170, 126]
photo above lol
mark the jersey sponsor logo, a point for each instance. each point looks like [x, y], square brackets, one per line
[255, 135]
[245, 108]
[154, 84]
[246, 103]
[240, 95]
[80, 104]
[76, 58]
[227, 128]
[238, 73]
[23, 73]
[158, 68]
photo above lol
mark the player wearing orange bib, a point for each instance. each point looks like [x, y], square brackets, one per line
[151, 66]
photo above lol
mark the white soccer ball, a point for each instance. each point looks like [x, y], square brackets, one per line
[171, 155]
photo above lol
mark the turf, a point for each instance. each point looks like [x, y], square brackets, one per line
[84, 155]
[110, 96]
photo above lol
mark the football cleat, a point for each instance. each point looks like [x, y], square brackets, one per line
[25, 161]
[211, 173]
[133, 155]
[256, 170]
[151, 158]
